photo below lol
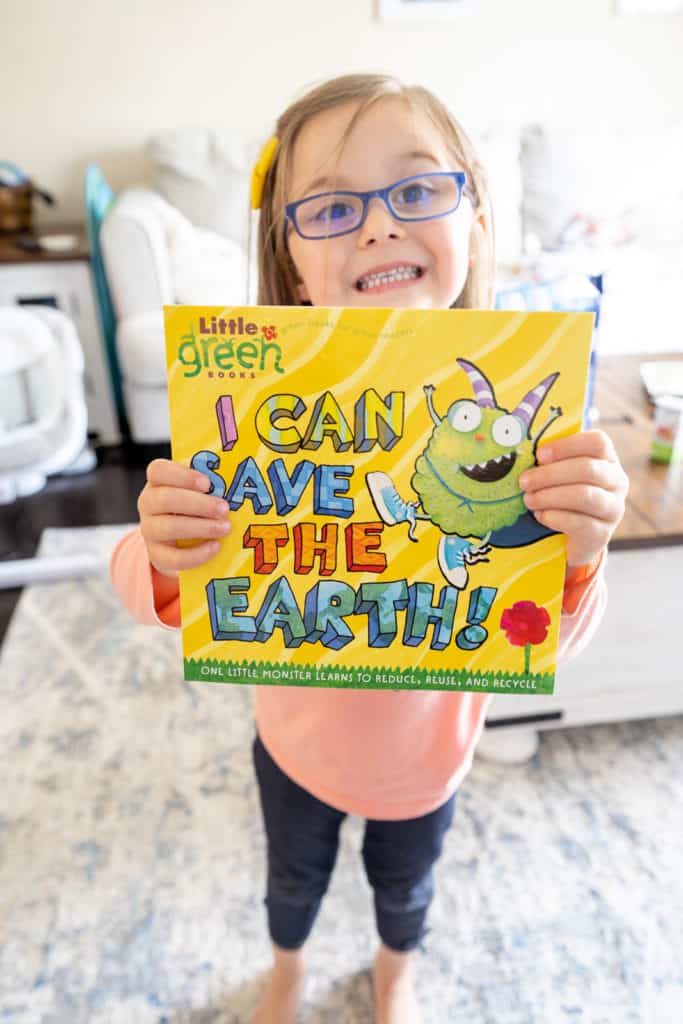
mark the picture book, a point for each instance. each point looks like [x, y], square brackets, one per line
[370, 459]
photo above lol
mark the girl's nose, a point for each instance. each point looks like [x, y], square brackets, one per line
[478, 437]
[379, 224]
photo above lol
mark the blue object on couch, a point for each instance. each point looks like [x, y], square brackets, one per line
[98, 200]
[566, 293]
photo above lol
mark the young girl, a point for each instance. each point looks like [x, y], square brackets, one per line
[393, 758]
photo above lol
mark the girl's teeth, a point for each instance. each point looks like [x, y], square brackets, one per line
[387, 277]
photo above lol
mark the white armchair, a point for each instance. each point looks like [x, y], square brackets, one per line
[154, 257]
[136, 255]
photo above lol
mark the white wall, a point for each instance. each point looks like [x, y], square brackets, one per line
[88, 80]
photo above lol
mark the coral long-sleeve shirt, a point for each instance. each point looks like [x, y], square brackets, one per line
[380, 754]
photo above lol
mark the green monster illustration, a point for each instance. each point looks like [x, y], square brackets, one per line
[467, 478]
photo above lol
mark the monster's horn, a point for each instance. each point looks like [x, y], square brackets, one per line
[529, 406]
[483, 389]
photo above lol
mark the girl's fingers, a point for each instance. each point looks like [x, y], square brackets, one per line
[595, 444]
[180, 501]
[581, 470]
[584, 499]
[175, 505]
[169, 528]
[162, 472]
[574, 524]
[167, 558]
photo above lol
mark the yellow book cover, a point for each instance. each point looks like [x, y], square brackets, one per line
[371, 462]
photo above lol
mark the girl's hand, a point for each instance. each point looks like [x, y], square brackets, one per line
[174, 505]
[579, 488]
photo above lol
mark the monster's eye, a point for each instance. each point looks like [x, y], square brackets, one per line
[507, 430]
[464, 416]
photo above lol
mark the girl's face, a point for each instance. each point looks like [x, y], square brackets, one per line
[389, 142]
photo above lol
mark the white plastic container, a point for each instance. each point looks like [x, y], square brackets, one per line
[667, 445]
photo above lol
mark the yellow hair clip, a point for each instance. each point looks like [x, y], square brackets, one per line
[261, 168]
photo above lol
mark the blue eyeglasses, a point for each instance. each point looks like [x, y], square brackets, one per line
[420, 197]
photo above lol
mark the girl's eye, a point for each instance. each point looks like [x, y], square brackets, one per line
[507, 431]
[415, 193]
[333, 212]
[464, 416]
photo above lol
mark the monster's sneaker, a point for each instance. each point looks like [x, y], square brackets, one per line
[452, 560]
[389, 503]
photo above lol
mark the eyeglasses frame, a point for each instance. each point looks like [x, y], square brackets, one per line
[381, 193]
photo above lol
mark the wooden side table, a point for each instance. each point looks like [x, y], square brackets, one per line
[654, 508]
[63, 280]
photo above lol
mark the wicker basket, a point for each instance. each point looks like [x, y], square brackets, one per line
[16, 208]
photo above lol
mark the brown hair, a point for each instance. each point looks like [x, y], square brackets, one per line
[277, 276]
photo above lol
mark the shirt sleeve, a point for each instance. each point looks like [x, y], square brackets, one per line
[583, 607]
[136, 582]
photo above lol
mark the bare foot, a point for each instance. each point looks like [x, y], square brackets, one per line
[280, 1001]
[393, 980]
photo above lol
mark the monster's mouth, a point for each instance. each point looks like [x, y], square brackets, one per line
[489, 472]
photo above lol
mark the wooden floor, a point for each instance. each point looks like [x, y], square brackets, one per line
[106, 495]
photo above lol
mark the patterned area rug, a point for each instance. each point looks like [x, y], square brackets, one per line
[131, 852]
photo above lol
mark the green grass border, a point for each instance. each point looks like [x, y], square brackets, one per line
[258, 673]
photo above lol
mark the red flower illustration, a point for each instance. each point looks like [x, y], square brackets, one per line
[525, 624]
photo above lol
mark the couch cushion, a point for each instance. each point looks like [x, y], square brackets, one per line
[207, 269]
[597, 184]
[206, 178]
[142, 350]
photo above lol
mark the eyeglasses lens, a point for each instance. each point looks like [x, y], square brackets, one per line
[329, 215]
[426, 196]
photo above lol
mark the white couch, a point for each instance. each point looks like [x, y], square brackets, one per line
[563, 202]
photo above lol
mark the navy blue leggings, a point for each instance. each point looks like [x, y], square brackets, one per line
[303, 837]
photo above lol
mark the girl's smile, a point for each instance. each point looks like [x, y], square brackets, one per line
[421, 264]
[389, 276]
